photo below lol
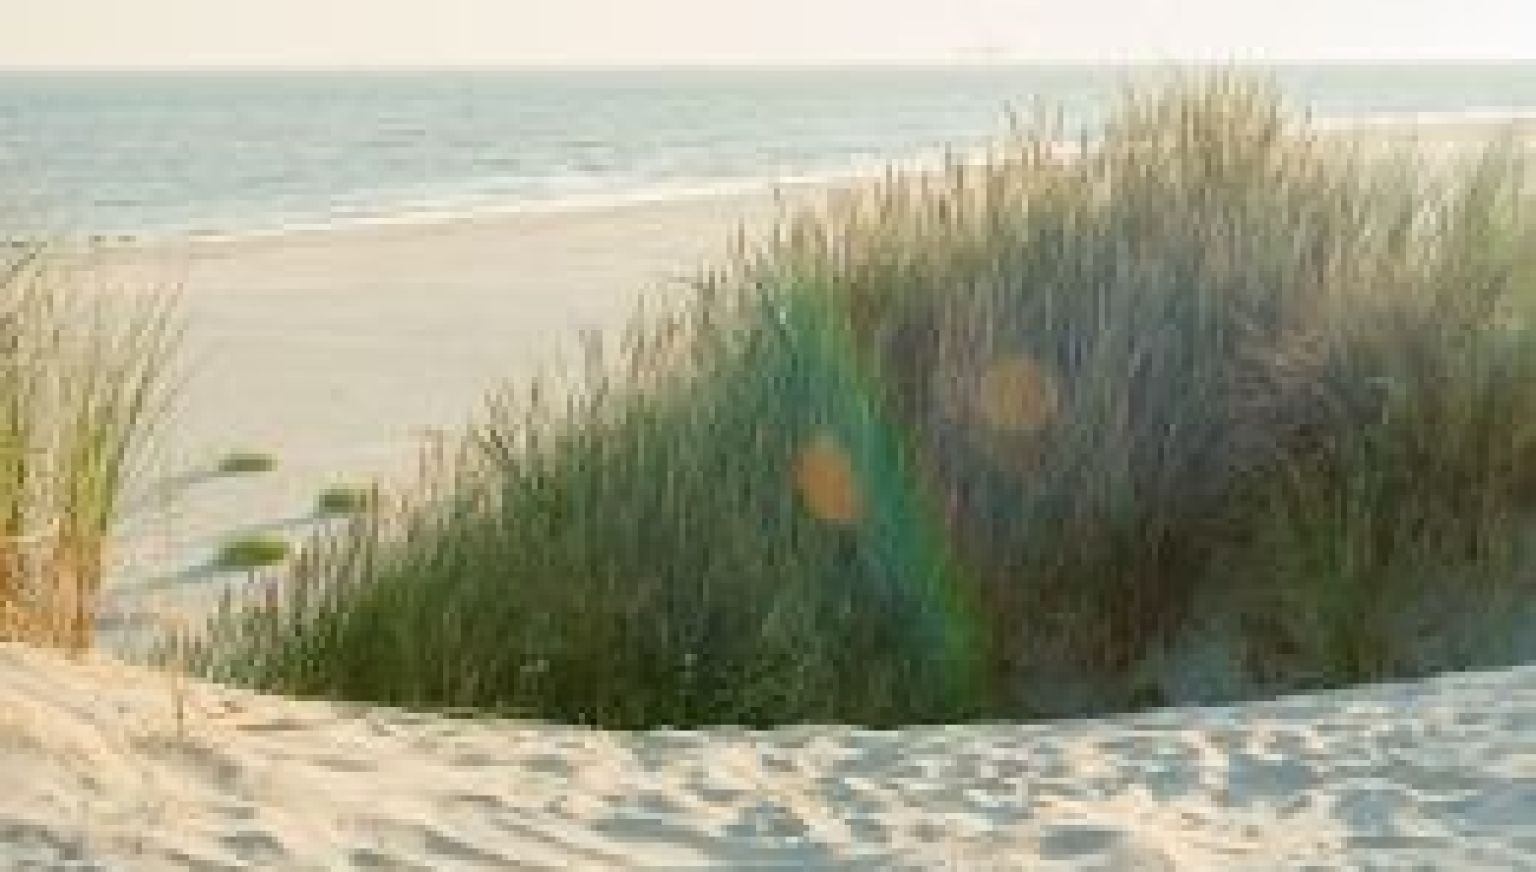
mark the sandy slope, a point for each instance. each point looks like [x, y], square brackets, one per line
[1439, 774]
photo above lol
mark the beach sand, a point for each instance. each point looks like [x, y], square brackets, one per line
[111, 767]
[343, 352]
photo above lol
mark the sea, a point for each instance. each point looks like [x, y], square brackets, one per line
[118, 154]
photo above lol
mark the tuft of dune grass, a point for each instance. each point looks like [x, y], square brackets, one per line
[1002, 441]
[246, 463]
[251, 552]
[342, 499]
[84, 382]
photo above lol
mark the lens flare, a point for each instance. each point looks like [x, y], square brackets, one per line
[1015, 395]
[826, 482]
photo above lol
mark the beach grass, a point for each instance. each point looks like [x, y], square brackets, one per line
[85, 378]
[1205, 407]
[251, 552]
[343, 499]
[246, 463]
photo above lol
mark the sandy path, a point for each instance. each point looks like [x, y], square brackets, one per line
[1439, 774]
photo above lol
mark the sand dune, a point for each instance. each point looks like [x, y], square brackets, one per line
[101, 773]
[336, 351]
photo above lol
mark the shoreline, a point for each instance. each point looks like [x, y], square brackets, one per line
[408, 217]
[1424, 128]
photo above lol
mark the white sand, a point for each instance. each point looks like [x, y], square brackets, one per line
[100, 774]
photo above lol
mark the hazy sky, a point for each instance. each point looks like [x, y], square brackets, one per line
[472, 32]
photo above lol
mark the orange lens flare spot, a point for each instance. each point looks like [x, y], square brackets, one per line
[824, 477]
[1015, 395]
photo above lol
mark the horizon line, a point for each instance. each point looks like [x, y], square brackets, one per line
[770, 65]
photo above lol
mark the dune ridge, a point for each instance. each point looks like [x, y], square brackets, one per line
[115, 767]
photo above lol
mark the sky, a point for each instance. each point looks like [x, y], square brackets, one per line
[382, 33]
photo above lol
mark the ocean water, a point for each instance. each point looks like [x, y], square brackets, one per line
[169, 154]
